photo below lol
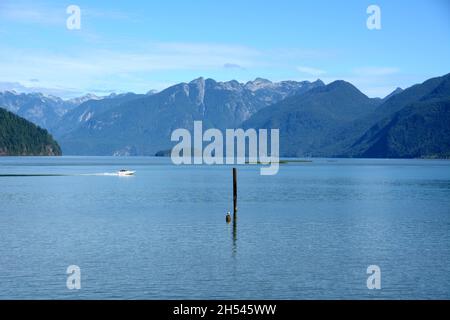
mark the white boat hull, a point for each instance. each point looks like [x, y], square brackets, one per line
[126, 173]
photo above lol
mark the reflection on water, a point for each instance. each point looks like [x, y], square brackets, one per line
[310, 231]
[234, 236]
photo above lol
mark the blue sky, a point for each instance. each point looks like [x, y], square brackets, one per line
[141, 45]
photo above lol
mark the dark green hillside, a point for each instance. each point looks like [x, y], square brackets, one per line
[308, 122]
[19, 137]
[419, 130]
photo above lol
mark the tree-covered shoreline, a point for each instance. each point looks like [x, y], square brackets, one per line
[19, 137]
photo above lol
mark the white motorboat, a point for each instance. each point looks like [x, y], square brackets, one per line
[124, 172]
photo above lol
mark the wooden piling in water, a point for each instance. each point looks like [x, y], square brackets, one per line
[234, 192]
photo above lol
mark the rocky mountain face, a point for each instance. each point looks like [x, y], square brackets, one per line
[43, 110]
[142, 124]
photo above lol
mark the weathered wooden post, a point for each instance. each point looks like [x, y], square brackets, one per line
[234, 193]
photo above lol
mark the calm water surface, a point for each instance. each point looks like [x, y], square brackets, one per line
[309, 232]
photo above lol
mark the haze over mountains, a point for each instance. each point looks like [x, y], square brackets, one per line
[45, 111]
[334, 120]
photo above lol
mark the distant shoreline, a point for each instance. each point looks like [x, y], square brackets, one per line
[283, 160]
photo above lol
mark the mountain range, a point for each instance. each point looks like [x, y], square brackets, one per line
[317, 120]
[133, 124]
[45, 111]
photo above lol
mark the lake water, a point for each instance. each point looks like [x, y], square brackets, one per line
[309, 232]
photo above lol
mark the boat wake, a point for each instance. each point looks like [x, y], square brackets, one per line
[103, 174]
[100, 174]
[33, 175]
[121, 173]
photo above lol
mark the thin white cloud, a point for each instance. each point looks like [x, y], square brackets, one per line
[105, 13]
[303, 53]
[375, 71]
[155, 57]
[135, 64]
[55, 14]
[30, 12]
[57, 91]
[90, 68]
[311, 71]
[232, 66]
[206, 48]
